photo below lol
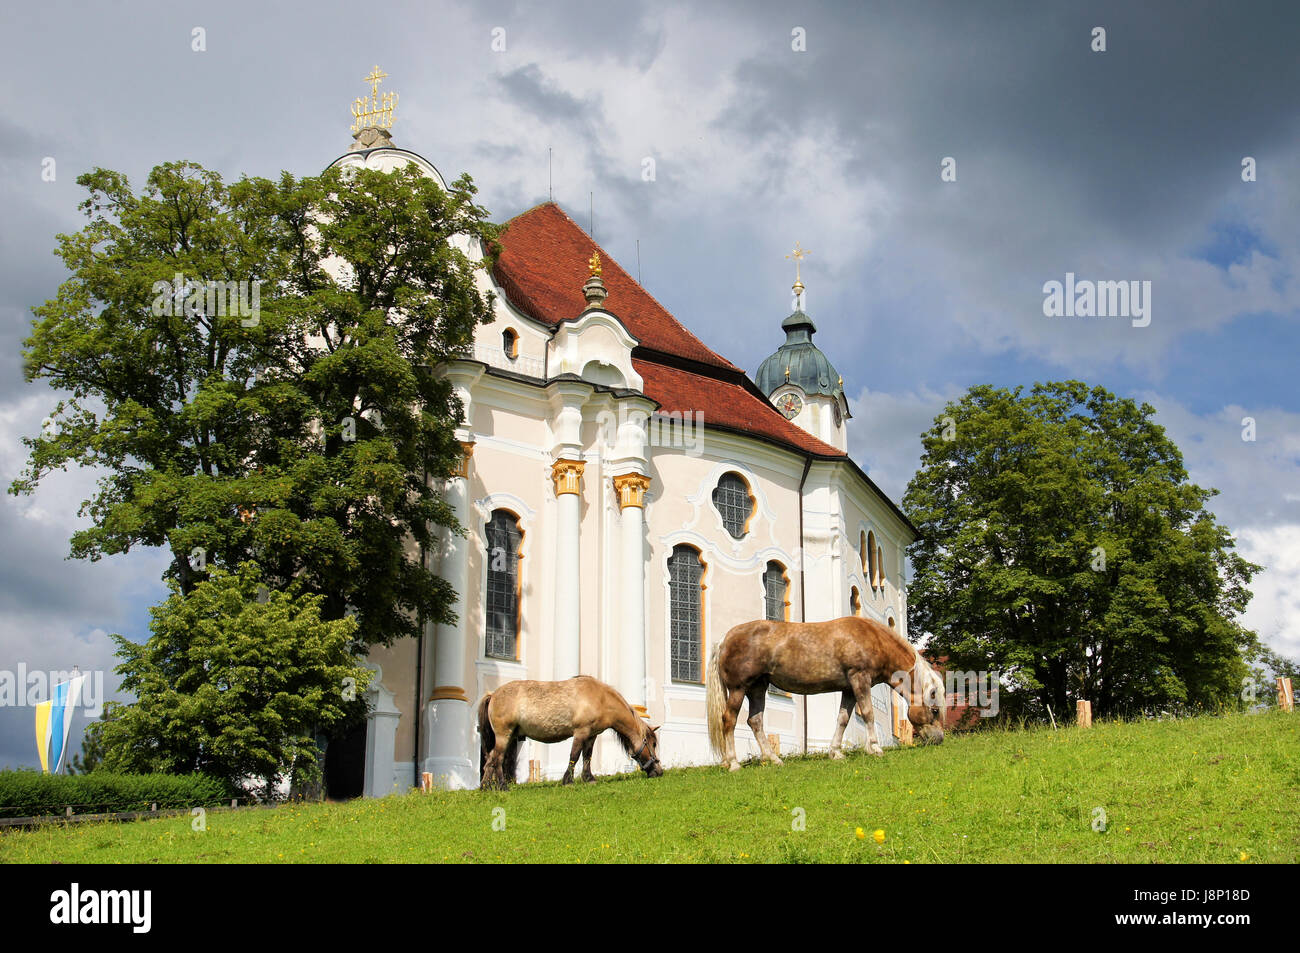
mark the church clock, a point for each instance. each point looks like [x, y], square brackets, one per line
[790, 405]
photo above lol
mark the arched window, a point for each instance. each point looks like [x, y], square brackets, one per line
[776, 593]
[686, 614]
[510, 343]
[880, 566]
[502, 608]
[891, 623]
[873, 564]
[862, 552]
[731, 497]
[855, 600]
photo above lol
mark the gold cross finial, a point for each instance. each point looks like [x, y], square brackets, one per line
[799, 254]
[374, 111]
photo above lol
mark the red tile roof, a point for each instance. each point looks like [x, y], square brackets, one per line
[725, 403]
[541, 269]
[543, 266]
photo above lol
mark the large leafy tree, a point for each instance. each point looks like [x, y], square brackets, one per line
[235, 682]
[300, 435]
[1063, 546]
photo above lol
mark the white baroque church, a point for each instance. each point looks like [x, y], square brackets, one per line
[629, 496]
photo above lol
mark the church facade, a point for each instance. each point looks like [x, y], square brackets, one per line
[628, 495]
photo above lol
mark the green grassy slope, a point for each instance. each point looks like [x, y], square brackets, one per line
[1210, 789]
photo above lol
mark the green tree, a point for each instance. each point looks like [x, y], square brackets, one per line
[1266, 667]
[298, 430]
[1063, 546]
[234, 682]
[92, 742]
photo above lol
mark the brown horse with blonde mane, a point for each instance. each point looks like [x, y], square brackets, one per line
[579, 708]
[846, 655]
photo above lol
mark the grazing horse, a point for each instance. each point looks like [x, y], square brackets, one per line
[579, 708]
[847, 655]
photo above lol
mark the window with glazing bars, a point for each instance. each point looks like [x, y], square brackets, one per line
[731, 497]
[684, 605]
[774, 588]
[503, 538]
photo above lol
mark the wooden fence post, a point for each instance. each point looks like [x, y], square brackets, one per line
[534, 769]
[1285, 697]
[426, 782]
[1083, 713]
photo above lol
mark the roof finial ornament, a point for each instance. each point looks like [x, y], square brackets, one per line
[594, 290]
[372, 117]
[799, 254]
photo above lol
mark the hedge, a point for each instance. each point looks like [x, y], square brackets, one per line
[28, 793]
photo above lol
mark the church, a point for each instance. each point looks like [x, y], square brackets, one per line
[629, 495]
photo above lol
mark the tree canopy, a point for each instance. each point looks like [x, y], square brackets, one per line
[252, 365]
[235, 682]
[1063, 546]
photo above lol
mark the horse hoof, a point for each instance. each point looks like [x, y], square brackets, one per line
[837, 754]
[777, 762]
[734, 766]
[877, 750]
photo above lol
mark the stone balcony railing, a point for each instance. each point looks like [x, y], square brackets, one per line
[496, 357]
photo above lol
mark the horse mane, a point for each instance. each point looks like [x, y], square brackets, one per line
[623, 739]
[924, 667]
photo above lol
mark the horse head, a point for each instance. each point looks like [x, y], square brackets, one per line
[646, 752]
[927, 707]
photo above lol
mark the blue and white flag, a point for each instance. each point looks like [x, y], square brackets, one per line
[54, 720]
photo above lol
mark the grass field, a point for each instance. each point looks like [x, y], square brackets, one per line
[1204, 790]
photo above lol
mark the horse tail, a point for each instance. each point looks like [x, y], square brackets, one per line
[487, 737]
[715, 698]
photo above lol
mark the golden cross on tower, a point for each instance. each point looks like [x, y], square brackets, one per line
[799, 254]
[374, 112]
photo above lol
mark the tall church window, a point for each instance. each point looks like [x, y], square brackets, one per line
[686, 614]
[873, 563]
[880, 565]
[502, 609]
[776, 593]
[855, 601]
[510, 343]
[735, 505]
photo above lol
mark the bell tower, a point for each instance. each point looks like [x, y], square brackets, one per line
[799, 379]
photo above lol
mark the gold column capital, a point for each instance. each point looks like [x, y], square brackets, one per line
[454, 692]
[567, 476]
[461, 469]
[631, 488]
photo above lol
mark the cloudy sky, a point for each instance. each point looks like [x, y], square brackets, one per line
[768, 124]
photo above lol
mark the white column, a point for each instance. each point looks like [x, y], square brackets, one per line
[567, 476]
[447, 714]
[631, 488]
